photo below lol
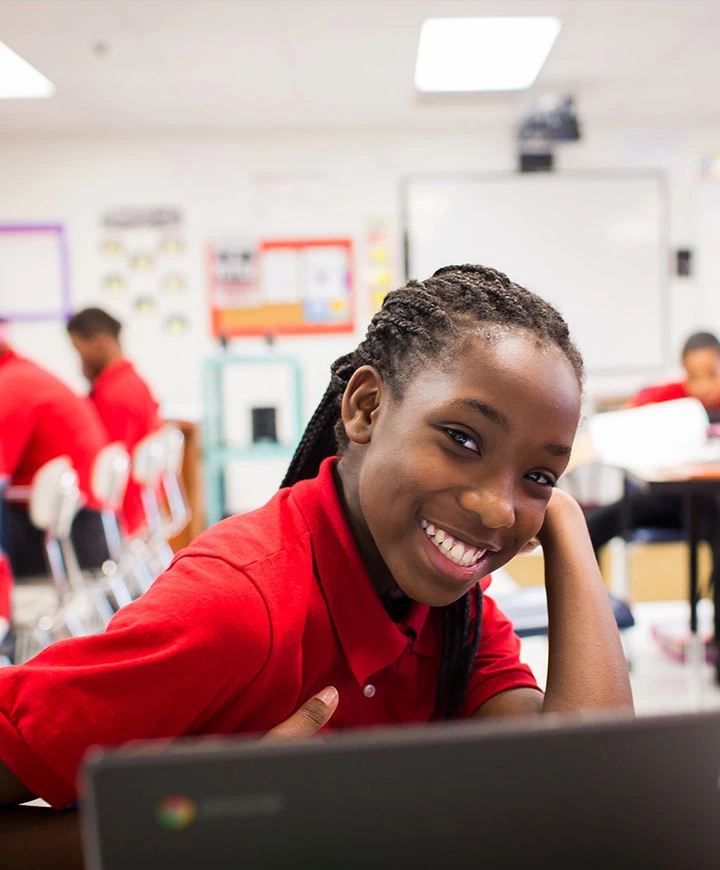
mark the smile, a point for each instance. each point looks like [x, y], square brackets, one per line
[458, 552]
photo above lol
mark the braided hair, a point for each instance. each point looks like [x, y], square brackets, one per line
[420, 321]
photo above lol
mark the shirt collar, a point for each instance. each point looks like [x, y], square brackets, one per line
[108, 373]
[370, 639]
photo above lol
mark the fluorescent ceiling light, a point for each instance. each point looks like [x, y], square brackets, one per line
[483, 54]
[19, 80]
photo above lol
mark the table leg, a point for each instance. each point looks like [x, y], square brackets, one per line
[715, 580]
[621, 585]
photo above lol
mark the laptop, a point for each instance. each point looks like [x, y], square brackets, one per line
[549, 792]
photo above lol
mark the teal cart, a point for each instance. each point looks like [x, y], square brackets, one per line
[217, 454]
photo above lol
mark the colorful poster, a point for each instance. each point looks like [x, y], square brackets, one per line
[289, 287]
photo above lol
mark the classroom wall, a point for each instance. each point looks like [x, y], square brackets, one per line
[296, 185]
[303, 186]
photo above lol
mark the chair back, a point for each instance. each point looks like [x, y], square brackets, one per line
[110, 475]
[149, 460]
[174, 449]
[54, 497]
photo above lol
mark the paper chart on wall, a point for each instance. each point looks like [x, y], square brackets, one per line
[142, 260]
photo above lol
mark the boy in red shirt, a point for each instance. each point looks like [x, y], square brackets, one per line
[42, 418]
[701, 361]
[362, 583]
[123, 400]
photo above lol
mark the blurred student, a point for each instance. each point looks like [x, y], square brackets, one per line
[124, 401]
[701, 361]
[41, 418]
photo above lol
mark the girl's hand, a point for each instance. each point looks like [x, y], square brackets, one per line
[562, 510]
[309, 719]
[559, 502]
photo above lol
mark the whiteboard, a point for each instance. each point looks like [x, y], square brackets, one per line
[33, 272]
[593, 244]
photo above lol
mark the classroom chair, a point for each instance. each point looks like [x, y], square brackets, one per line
[70, 606]
[149, 465]
[108, 482]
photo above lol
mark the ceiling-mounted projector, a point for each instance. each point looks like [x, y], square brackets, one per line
[553, 119]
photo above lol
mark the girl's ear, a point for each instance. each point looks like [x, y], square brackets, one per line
[361, 400]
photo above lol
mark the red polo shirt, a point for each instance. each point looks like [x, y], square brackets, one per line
[660, 393]
[261, 612]
[130, 412]
[41, 418]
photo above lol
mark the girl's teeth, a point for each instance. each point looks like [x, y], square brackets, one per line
[458, 551]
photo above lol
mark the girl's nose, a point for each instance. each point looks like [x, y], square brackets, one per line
[493, 502]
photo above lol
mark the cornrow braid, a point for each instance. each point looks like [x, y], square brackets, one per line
[422, 321]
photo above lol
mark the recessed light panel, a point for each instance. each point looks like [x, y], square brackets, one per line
[19, 80]
[483, 54]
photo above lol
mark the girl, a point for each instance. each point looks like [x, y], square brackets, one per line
[361, 584]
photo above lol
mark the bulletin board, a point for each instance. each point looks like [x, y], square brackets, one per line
[34, 272]
[593, 243]
[283, 287]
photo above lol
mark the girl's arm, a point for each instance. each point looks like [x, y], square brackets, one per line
[586, 667]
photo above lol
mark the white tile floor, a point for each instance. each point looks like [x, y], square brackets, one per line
[659, 684]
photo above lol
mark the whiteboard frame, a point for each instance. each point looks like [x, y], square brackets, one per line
[581, 174]
[65, 306]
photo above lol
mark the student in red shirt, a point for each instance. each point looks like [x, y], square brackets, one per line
[362, 583]
[42, 418]
[123, 399]
[701, 361]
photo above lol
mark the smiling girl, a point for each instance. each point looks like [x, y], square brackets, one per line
[361, 584]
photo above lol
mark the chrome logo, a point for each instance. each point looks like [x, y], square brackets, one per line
[175, 812]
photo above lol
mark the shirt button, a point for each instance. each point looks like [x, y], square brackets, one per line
[369, 690]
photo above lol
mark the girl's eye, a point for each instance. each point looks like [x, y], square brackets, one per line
[541, 478]
[462, 439]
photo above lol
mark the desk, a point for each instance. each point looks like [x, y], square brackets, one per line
[688, 481]
[37, 838]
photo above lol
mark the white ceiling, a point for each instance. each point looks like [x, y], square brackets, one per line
[243, 65]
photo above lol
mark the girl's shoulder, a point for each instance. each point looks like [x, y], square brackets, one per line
[249, 538]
